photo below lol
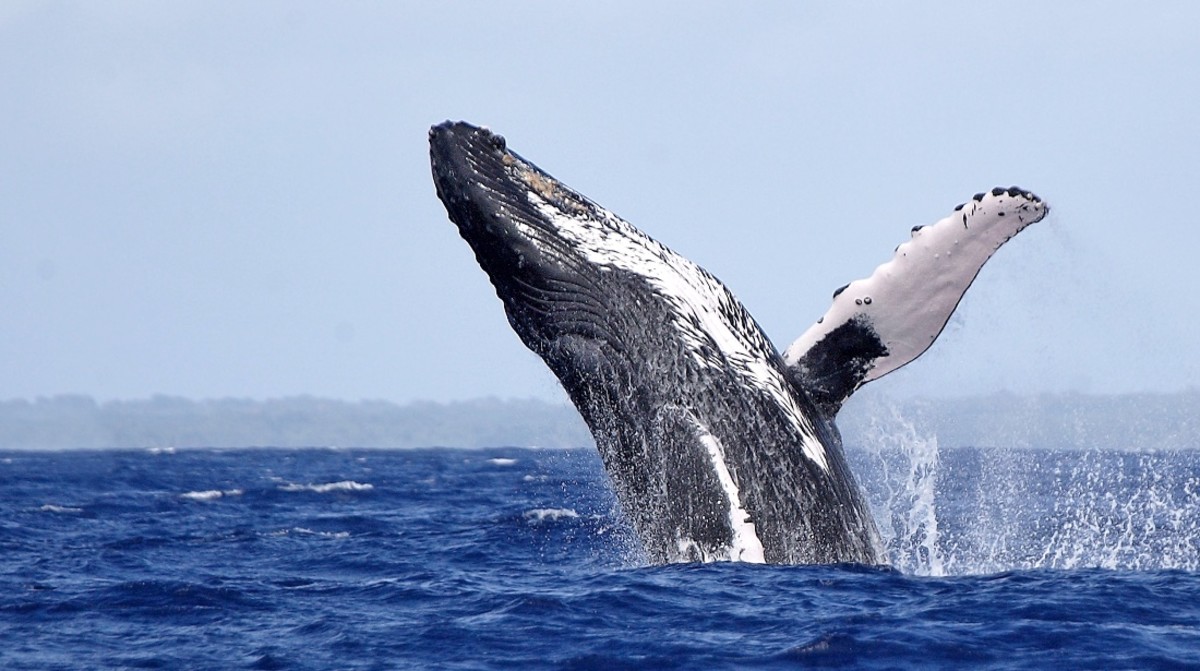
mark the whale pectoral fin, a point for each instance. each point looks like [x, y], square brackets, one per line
[881, 323]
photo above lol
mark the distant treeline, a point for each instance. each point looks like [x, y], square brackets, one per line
[65, 422]
[1129, 421]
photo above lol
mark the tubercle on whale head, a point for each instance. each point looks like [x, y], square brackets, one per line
[489, 194]
[459, 150]
[451, 145]
[469, 165]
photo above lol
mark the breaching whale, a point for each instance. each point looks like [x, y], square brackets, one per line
[718, 447]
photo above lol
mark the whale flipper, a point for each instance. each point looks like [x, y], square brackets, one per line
[713, 449]
[883, 322]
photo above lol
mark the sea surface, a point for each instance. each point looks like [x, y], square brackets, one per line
[515, 558]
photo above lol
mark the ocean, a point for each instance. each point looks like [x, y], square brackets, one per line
[518, 558]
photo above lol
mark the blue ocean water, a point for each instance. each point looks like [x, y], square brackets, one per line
[518, 558]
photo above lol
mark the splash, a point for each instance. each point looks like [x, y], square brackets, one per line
[902, 492]
[967, 511]
[1135, 513]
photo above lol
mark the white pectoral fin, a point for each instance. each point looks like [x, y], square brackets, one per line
[881, 323]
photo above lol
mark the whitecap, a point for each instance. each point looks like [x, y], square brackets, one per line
[210, 494]
[206, 495]
[161, 450]
[341, 486]
[538, 515]
[51, 508]
[305, 531]
[502, 461]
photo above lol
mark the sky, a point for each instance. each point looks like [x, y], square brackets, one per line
[226, 199]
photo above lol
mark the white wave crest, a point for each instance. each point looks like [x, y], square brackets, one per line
[51, 508]
[539, 515]
[340, 486]
[209, 494]
[305, 531]
[502, 461]
[206, 495]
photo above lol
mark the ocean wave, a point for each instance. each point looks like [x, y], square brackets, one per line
[210, 494]
[51, 508]
[305, 531]
[502, 461]
[340, 486]
[539, 515]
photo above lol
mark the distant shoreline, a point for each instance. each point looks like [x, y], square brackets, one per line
[1141, 421]
[75, 422]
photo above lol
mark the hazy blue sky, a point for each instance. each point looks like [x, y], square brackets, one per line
[233, 199]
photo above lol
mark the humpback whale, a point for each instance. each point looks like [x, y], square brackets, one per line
[719, 447]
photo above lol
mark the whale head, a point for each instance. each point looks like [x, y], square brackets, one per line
[475, 175]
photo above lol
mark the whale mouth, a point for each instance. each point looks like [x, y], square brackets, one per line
[455, 151]
[486, 190]
[511, 213]
[467, 164]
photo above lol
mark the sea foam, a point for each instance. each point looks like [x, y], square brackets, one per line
[340, 486]
[51, 508]
[538, 515]
[210, 494]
